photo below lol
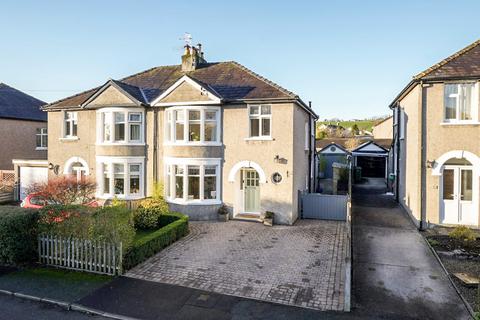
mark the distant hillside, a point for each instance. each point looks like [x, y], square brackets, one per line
[361, 124]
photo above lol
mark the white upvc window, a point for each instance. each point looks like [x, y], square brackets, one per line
[70, 124]
[192, 181]
[192, 126]
[41, 139]
[121, 177]
[120, 126]
[460, 102]
[260, 121]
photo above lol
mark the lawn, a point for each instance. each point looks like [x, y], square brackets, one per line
[53, 283]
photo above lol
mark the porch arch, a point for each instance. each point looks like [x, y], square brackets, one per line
[456, 154]
[247, 164]
[68, 165]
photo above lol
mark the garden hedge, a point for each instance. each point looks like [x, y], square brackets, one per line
[18, 235]
[173, 226]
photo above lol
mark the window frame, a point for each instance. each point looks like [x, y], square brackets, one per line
[70, 123]
[43, 134]
[105, 167]
[106, 116]
[185, 163]
[171, 121]
[260, 117]
[474, 108]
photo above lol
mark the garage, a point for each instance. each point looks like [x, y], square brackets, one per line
[28, 172]
[372, 167]
[372, 158]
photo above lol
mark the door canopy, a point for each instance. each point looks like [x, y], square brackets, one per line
[247, 164]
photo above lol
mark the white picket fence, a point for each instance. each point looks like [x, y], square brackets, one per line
[81, 255]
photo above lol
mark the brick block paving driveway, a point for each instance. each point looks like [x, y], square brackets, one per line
[301, 265]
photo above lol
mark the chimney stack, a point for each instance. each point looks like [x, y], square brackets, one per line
[192, 58]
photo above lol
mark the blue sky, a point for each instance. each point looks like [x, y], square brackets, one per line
[350, 58]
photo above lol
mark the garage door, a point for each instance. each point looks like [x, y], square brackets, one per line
[372, 167]
[29, 176]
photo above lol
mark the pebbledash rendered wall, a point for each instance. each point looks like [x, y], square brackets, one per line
[440, 138]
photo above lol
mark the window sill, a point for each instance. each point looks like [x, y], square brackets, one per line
[41, 148]
[193, 144]
[194, 202]
[69, 139]
[120, 144]
[259, 139]
[460, 123]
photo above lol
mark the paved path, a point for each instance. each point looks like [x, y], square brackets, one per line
[12, 308]
[301, 265]
[395, 274]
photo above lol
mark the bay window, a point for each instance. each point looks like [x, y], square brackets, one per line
[120, 177]
[195, 181]
[120, 126]
[192, 125]
[260, 117]
[460, 102]
[70, 124]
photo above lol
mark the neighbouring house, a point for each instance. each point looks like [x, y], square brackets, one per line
[437, 142]
[23, 137]
[383, 129]
[211, 133]
[23, 127]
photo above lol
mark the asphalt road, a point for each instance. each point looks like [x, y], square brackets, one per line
[12, 308]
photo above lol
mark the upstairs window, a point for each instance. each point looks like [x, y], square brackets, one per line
[120, 126]
[192, 125]
[459, 102]
[41, 139]
[260, 117]
[70, 125]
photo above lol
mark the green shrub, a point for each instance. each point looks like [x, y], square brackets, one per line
[174, 226]
[463, 234]
[18, 235]
[148, 213]
[66, 221]
[113, 224]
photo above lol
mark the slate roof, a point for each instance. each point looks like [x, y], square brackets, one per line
[14, 104]
[322, 143]
[464, 63]
[230, 80]
[134, 91]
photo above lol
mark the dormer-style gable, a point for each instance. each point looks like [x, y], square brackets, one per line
[370, 147]
[333, 148]
[115, 93]
[187, 91]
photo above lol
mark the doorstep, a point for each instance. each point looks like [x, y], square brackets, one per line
[248, 217]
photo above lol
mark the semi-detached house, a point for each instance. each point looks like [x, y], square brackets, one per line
[211, 133]
[437, 142]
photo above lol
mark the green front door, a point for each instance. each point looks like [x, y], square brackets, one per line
[251, 188]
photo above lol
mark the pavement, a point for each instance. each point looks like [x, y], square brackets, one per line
[13, 308]
[301, 265]
[396, 276]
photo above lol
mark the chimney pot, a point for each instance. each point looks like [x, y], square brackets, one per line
[192, 58]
